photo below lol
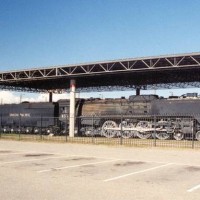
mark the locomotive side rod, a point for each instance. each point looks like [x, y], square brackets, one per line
[134, 129]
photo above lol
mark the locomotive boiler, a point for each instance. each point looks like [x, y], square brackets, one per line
[143, 116]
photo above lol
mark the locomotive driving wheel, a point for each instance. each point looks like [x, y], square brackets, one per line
[144, 135]
[127, 134]
[143, 131]
[198, 135]
[162, 135]
[107, 129]
[178, 135]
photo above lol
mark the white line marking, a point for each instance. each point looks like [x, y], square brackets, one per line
[138, 172]
[74, 166]
[194, 188]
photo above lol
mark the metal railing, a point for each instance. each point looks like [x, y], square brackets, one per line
[139, 130]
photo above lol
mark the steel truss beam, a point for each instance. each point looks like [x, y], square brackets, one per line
[129, 74]
[142, 87]
[108, 88]
[19, 89]
[144, 64]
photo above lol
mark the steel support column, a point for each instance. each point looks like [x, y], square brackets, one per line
[50, 97]
[138, 90]
[72, 108]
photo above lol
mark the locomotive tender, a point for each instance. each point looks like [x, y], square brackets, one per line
[143, 116]
[27, 117]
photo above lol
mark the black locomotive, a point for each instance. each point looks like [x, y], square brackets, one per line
[143, 116]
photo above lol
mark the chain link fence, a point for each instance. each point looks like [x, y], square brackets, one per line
[141, 130]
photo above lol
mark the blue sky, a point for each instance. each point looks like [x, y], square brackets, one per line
[39, 33]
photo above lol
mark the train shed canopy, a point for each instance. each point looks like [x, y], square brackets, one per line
[170, 71]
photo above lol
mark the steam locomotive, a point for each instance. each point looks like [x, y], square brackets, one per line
[143, 116]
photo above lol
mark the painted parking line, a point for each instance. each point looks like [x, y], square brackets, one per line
[138, 172]
[194, 188]
[74, 166]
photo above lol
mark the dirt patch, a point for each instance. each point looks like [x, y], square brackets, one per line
[129, 163]
[54, 169]
[88, 166]
[38, 164]
[81, 158]
[192, 169]
[3, 151]
[37, 155]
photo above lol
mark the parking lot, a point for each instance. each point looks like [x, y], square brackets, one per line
[31, 170]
